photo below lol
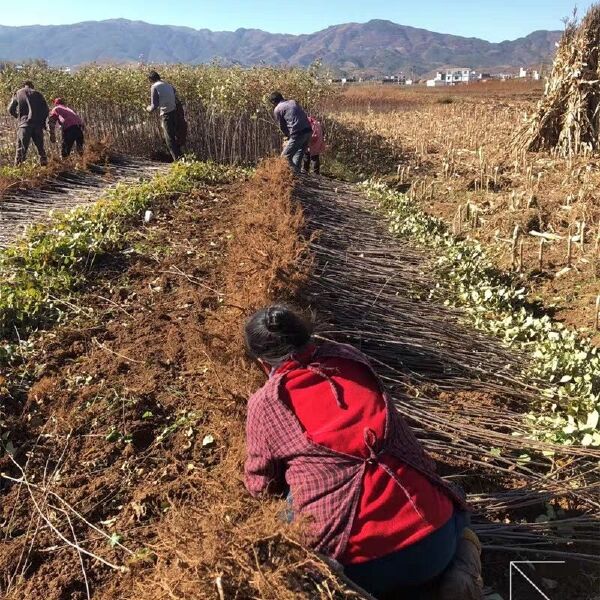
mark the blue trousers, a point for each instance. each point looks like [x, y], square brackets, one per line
[295, 149]
[417, 565]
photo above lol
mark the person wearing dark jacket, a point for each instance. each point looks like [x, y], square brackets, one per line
[31, 109]
[294, 125]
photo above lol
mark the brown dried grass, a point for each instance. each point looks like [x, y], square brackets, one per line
[96, 151]
[217, 530]
[386, 98]
[457, 161]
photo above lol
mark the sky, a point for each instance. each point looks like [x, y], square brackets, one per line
[494, 21]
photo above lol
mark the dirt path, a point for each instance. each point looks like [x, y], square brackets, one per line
[25, 207]
[460, 390]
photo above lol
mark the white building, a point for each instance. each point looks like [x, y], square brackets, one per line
[436, 83]
[454, 76]
[529, 74]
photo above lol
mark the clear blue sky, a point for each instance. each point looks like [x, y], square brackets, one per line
[491, 20]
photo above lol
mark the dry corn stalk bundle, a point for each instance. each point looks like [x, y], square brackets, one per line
[567, 117]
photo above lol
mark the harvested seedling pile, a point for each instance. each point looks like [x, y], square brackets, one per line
[128, 447]
[567, 118]
[461, 391]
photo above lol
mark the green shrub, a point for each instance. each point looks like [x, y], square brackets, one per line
[53, 259]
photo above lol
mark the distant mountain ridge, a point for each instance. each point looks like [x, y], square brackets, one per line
[373, 48]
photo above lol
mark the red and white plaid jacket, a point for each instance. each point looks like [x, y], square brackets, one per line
[325, 484]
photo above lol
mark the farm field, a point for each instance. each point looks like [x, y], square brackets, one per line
[123, 379]
[225, 109]
[133, 443]
[136, 407]
[456, 157]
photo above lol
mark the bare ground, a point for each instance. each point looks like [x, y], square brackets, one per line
[133, 412]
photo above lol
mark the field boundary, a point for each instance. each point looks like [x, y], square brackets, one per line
[565, 365]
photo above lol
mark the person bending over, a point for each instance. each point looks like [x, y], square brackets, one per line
[71, 125]
[323, 432]
[164, 99]
[31, 110]
[294, 125]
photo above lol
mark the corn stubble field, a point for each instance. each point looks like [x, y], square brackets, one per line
[124, 389]
[539, 213]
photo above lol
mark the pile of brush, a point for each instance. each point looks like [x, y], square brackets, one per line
[567, 119]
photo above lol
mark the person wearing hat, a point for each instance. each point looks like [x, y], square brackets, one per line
[71, 125]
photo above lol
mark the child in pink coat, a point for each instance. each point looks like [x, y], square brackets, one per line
[316, 146]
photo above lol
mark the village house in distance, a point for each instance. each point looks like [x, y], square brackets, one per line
[447, 77]
[462, 76]
[452, 77]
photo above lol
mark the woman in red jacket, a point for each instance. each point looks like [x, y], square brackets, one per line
[322, 430]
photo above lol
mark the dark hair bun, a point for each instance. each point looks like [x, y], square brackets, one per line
[275, 318]
[276, 332]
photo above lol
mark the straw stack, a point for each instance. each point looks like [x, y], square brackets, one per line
[567, 118]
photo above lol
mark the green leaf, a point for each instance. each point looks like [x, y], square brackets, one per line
[10, 448]
[592, 420]
[113, 436]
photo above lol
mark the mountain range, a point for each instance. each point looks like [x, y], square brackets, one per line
[377, 47]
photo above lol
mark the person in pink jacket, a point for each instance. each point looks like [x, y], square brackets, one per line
[316, 146]
[71, 125]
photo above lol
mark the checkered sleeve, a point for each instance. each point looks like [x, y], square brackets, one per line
[263, 472]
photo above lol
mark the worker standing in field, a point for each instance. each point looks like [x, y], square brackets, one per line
[323, 432]
[163, 98]
[316, 147]
[71, 125]
[31, 110]
[294, 125]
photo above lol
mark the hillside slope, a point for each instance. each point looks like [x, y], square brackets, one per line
[375, 47]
